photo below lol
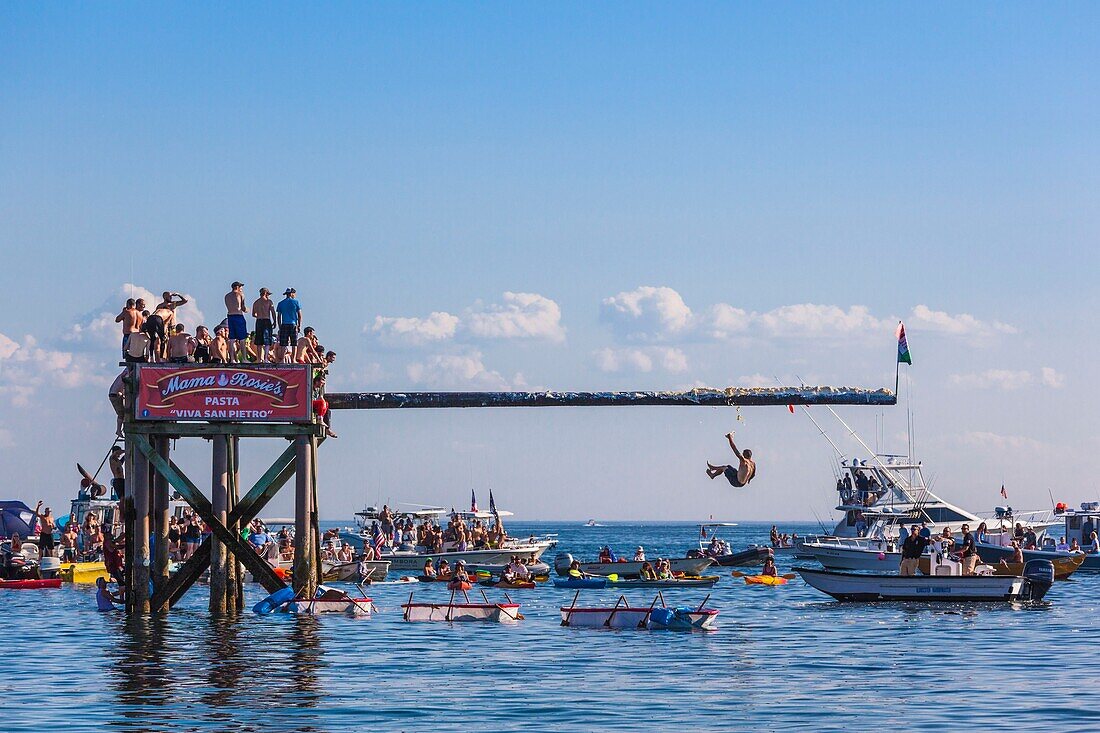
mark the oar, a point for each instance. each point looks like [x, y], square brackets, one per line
[607, 623]
[364, 592]
[569, 613]
[613, 578]
[408, 607]
[641, 624]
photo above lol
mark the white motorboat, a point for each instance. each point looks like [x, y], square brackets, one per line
[879, 552]
[945, 583]
[693, 566]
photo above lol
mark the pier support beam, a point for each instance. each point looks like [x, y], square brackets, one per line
[161, 513]
[219, 487]
[305, 555]
[138, 536]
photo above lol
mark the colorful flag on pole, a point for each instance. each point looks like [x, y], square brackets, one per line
[492, 504]
[1003, 492]
[903, 346]
[473, 501]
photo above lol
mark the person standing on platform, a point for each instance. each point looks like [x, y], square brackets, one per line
[911, 550]
[263, 310]
[238, 327]
[131, 320]
[180, 346]
[45, 530]
[289, 312]
[117, 461]
[968, 553]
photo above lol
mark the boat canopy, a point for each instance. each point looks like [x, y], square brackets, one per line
[15, 516]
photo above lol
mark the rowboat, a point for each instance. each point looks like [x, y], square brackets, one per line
[765, 580]
[508, 585]
[684, 565]
[30, 584]
[83, 572]
[850, 586]
[346, 605]
[467, 611]
[624, 616]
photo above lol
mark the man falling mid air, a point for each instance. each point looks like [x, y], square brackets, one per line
[742, 474]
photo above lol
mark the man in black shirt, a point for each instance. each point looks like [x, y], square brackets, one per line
[912, 549]
[967, 552]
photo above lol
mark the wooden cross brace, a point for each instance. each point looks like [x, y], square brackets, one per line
[246, 509]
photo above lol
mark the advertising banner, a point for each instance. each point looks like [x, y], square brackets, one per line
[238, 393]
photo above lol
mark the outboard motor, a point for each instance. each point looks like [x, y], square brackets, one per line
[1039, 575]
[562, 562]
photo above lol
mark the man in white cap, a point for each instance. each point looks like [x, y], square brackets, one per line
[639, 554]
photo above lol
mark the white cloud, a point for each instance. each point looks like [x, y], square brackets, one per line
[641, 360]
[648, 313]
[810, 319]
[1005, 379]
[986, 440]
[520, 316]
[1052, 378]
[460, 371]
[924, 318]
[25, 366]
[724, 321]
[439, 326]
[523, 315]
[98, 328]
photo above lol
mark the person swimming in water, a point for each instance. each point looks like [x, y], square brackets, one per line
[740, 476]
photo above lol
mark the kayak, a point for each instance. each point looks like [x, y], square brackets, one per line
[765, 580]
[704, 582]
[31, 584]
[461, 585]
[580, 582]
[517, 584]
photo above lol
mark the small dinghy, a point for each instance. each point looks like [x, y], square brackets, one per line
[327, 600]
[30, 584]
[624, 616]
[507, 585]
[489, 612]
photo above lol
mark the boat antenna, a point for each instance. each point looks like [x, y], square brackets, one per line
[839, 452]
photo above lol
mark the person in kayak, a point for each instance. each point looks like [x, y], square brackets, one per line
[647, 572]
[429, 570]
[769, 567]
[738, 477]
[460, 575]
[575, 570]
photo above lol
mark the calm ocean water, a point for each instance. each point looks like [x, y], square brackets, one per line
[781, 659]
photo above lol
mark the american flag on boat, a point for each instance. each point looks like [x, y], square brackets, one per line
[492, 504]
[473, 501]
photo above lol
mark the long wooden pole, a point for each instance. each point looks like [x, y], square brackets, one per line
[219, 480]
[305, 583]
[314, 521]
[235, 527]
[160, 521]
[139, 589]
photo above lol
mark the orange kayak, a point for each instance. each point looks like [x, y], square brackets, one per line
[765, 580]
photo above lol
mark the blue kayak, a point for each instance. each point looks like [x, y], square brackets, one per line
[580, 582]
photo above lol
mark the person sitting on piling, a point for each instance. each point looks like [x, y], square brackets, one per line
[740, 476]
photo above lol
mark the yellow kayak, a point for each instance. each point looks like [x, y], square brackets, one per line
[83, 572]
[765, 580]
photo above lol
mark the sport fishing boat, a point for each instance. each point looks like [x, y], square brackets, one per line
[624, 616]
[719, 550]
[693, 566]
[1079, 526]
[945, 584]
[880, 551]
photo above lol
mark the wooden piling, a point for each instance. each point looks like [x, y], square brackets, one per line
[161, 515]
[234, 598]
[305, 574]
[138, 536]
[219, 556]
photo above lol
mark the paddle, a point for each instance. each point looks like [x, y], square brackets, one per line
[364, 592]
[614, 578]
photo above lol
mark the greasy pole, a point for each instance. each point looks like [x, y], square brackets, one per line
[305, 572]
[235, 593]
[161, 558]
[219, 555]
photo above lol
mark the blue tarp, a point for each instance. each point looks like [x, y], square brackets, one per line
[15, 516]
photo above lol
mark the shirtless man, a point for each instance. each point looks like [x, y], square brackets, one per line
[131, 320]
[305, 352]
[117, 395]
[219, 347]
[117, 461]
[180, 346]
[740, 476]
[238, 327]
[160, 322]
[263, 310]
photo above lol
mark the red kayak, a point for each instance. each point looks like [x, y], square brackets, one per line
[30, 584]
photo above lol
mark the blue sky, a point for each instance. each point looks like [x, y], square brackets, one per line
[611, 196]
